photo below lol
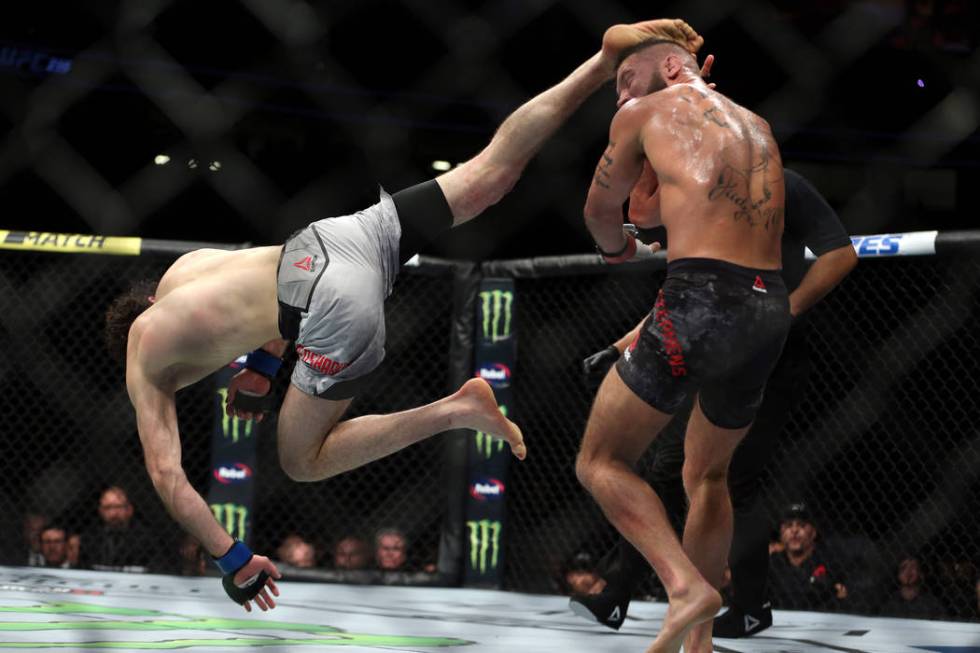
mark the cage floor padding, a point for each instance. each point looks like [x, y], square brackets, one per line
[78, 610]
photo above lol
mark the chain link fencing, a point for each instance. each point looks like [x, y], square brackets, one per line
[882, 446]
[70, 431]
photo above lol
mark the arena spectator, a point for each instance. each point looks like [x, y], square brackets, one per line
[297, 551]
[911, 600]
[33, 523]
[191, 560]
[54, 546]
[390, 549]
[351, 552]
[74, 547]
[118, 542]
[579, 575]
[800, 576]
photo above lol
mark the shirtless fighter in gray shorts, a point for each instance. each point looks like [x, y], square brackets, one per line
[325, 290]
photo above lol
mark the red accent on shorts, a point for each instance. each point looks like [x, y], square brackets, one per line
[672, 345]
[319, 362]
[305, 264]
[758, 285]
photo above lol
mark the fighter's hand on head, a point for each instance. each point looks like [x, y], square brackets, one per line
[248, 395]
[620, 37]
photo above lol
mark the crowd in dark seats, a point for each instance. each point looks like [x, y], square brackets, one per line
[807, 571]
[810, 572]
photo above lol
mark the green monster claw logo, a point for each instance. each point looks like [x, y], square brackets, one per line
[230, 426]
[487, 445]
[233, 517]
[496, 311]
[191, 632]
[484, 544]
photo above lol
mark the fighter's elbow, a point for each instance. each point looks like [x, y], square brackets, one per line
[166, 478]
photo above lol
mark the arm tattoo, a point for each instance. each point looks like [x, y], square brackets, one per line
[736, 186]
[602, 170]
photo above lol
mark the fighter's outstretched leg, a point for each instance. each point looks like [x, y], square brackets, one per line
[314, 446]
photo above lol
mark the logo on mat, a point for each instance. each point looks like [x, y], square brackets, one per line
[234, 473]
[758, 286]
[305, 264]
[487, 488]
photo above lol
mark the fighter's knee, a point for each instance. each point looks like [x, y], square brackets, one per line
[585, 470]
[696, 476]
[295, 468]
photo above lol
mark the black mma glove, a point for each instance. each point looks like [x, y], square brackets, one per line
[230, 563]
[596, 366]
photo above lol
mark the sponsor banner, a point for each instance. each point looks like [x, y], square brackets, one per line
[496, 374]
[487, 489]
[913, 243]
[233, 463]
[44, 241]
[488, 458]
[495, 318]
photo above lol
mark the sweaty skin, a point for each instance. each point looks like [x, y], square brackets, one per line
[712, 174]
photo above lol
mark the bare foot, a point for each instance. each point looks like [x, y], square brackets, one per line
[699, 639]
[478, 410]
[686, 610]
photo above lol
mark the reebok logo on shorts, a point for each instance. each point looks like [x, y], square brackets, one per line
[758, 286]
[319, 362]
[304, 264]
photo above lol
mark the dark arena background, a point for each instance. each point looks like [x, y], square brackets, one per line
[134, 132]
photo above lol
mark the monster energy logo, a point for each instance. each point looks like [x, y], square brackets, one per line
[230, 425]
[487, 445]
[484, 544]
[232, 517]
[496, 311]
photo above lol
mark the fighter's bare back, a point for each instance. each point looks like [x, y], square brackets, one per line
[720, 176]
[210, 307]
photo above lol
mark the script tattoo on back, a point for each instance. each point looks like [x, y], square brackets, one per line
[735, 185]
[602, 170]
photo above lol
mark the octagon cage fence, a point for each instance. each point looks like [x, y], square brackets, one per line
[882, 444]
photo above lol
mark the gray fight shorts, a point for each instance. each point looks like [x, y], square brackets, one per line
[334, 276]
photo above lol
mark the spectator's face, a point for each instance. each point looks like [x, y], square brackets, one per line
[297, 552]
[54, 546]
[797, 536]
[33, 523]
[115, 509]
[351, 553]
[74, 548]
[909, 573]
[580, 581]
[390, 552]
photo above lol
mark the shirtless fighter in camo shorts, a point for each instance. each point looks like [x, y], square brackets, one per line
[325, 291]
[713, 177]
